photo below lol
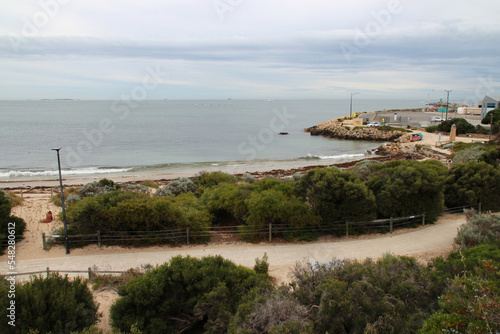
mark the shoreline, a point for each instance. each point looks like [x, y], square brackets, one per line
[164, 178]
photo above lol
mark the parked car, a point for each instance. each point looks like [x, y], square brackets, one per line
[437, 119]
[374, 124]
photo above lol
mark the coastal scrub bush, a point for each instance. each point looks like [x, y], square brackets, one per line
[431, 129]
[140, 188]
[469, 154]
[15, 200]
[7, 222]
[395, 294]
[268, 183]
[272, 206]
[487, 118]
[297, 176]
[71, 199]
[473, 183]
[481, 130]
[98, 188]
[150, 184]
[335, 195]
[363, 168]
[54, 304]
[227, 200]
[211, 179]
[176, 187]
[463, 126]
[471, 304]
[480, 228]
[491, 157]
[56, 198]
[406, 187]
[185, 295]
[248, 178]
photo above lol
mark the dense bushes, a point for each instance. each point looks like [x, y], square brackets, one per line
[473, 183]
[7, 222]
[51, 305]
[463, 126]
[337, 196]
[405, 188]
[185, 295]
[479, 229]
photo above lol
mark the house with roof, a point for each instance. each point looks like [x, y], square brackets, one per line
[489, 103]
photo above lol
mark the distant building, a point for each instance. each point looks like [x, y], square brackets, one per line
[489, 103]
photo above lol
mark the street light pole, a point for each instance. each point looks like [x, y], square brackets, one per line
[66, 241]
[350, 109]
[447, 100]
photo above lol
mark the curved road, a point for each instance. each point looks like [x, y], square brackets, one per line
[432, 237]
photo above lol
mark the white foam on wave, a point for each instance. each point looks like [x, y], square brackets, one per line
[70, 172]
[341, 156]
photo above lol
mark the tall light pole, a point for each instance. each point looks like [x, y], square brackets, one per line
[350, 109]
[66, 241]
[447, 100]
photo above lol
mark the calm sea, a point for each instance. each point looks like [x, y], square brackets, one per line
[169, 136]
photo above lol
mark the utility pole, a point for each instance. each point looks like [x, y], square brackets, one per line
[447, 101]
[66, 241]
[350, 110]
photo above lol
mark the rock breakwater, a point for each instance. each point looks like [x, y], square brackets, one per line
[361, 133]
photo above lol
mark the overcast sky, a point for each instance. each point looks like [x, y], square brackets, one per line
[270, 49]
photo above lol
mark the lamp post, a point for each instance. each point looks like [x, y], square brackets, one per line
[350, 109]
[62, 201]
[447, 100]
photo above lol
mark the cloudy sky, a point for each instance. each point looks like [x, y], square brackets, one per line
[270, 49]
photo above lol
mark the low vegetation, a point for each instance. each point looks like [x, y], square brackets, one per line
[11, 227]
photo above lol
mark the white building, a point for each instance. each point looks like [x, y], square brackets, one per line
[489, 103]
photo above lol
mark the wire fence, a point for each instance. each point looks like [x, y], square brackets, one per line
[268, 232]
[90, 272]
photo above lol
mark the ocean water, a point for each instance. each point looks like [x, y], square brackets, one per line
[171, 136]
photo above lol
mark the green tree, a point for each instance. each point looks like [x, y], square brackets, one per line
[54, 304]
[337, 196]
[473, 183]
[185, 295]
[227, 199]
[405, 188]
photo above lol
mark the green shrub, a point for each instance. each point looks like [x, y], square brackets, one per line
[150, 183]
[392, 295]
[463, 126]
[479, 229]
[487, 117]
[100, 187]
[213, 178]
[467, 155]
[56, 198]
[140, 188]
[55, 304]
[491, 157]
[431, 129]
[481, 130]
[176, 187]
[7, 222]
[248, 178]
[15, 200]
[71, 199]
[184, 295]
[336, 195]
[406, 187]
[473, 183]
[297, 176]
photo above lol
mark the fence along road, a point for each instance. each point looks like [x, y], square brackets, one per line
[432, 237]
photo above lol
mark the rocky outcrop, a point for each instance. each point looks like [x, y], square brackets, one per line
[364, 133]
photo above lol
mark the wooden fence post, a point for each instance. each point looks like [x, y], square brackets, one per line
[391, 224]
[423, 219]
[270, 232]
[99, 244]
[44, 244]
[479, 207]
[90, 273]
[48, 272]
[346, 228]
[187, 235]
